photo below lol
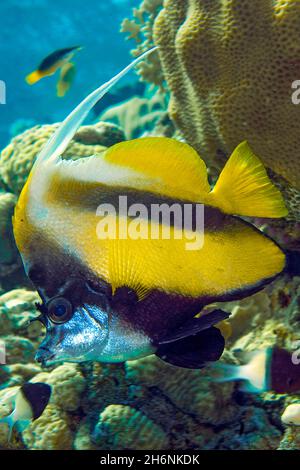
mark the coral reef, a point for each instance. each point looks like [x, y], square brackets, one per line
[144, 403]
[18, 157]
[140, 29]
[16, 161]
[147, 403]
[230, 66]
[137, 116]
[20, 337]
[122, 426]
[49, 432]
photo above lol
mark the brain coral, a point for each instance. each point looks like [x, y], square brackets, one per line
[17, 158]
[229, 65]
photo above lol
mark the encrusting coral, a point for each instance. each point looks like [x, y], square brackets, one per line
[51, 431]
[16, 310]
[230, 66]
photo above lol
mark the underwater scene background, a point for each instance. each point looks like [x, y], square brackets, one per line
[223, 74]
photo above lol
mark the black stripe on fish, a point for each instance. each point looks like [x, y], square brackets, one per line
[282, 373]
[157, 314]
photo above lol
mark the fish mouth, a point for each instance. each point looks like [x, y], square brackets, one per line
[44, 357]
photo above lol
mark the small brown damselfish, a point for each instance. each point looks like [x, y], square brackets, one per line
[120, 298]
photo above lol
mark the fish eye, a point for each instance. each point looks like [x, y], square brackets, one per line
[59, 310]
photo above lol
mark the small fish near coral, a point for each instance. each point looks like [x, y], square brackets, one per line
[113, 300]
[59, 59]
[271, 369]
[28, 401]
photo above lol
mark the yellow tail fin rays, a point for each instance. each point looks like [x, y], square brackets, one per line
[244, 188]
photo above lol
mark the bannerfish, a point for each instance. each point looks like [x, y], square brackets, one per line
[119, 297]
[271, 369]
[66, 78]
[291, 414]
[52, 63]
[28, 401]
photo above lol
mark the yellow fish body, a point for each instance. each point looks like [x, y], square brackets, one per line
[121, 297]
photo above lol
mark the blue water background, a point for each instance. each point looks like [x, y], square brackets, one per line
[31, 29]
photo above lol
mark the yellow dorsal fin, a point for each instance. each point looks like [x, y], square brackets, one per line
[244, 188]
[167, 166]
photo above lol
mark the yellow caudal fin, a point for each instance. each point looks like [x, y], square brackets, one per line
[33, 77]
[244, 188]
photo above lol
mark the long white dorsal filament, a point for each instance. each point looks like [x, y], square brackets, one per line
[65, 132]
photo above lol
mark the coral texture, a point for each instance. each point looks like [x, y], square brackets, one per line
[149, 404]
[140, 29]
[137, 116]
[230, 66]
[8, 252]
[122, 426]
[16, 161]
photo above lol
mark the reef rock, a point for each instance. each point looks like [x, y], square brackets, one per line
[230, 66]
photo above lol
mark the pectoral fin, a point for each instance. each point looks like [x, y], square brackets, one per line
[244, 187]
[194, 352]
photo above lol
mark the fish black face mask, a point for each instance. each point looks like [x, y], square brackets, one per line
[122, 297]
